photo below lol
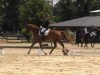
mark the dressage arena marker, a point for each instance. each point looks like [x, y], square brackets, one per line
[1, 51]
[71, 53]
[84, 53]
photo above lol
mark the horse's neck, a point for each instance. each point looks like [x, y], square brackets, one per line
[35, 32]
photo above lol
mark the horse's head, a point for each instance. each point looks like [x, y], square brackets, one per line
[31, 27]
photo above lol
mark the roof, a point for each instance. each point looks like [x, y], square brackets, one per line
[84, 21]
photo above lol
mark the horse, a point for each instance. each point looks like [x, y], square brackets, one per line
[53, 35]
[82, 38]
[89, 38]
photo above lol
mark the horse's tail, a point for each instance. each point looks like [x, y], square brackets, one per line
[66, 37]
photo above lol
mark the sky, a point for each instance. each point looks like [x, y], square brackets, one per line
[55, 1]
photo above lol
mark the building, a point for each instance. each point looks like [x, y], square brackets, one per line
[93, 19]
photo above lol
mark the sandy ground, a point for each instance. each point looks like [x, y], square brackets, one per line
[15, 61]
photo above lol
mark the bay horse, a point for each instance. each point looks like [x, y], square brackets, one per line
[90, 38]
[53, 35]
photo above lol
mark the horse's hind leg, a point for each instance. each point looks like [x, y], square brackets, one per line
[40, 43]
[81, 44]
[92, 43]
[64, 52]
[31, 47]
[55, 45]
[61, 44]
[85, 45]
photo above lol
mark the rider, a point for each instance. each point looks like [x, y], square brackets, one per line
[86, 30]
[93, 31]
[92, 28]
[45, 26]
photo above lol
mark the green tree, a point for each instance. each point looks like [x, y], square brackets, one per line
[66, 9]
[94, 4]
[11, 17]
[84, 7]
[1, 13]
[70, 9]
[31, 10]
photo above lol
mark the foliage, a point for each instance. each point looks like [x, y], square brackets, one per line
[70, 9]
[11, 15]
[26, 34]
[14, 14]
[66, 9]
[30, 10]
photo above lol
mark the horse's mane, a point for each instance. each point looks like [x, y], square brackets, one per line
[33, 26]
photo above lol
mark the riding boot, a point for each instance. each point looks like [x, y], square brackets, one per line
[43, 36]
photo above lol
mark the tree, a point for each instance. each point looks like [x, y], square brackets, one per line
[11, 17]
[1, 14]
[31, 10]
[94, 4]
[70, 9]
[65, 9]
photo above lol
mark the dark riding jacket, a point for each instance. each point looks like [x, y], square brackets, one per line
[46, 24]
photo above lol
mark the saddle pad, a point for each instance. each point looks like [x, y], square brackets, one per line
[93, 33]
[45, 33]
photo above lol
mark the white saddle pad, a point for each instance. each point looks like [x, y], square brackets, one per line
[93, 33]
[45, 33]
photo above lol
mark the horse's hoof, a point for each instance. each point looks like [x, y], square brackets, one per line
[65, 51]
[28, 53]
[50, 53]
[46, 54]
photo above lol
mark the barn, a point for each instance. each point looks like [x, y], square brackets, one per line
[88, 21]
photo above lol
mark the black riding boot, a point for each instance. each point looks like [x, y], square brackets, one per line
[43, 36]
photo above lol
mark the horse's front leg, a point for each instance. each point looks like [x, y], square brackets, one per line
[55, 45]
[31, 47]
[40, 43]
